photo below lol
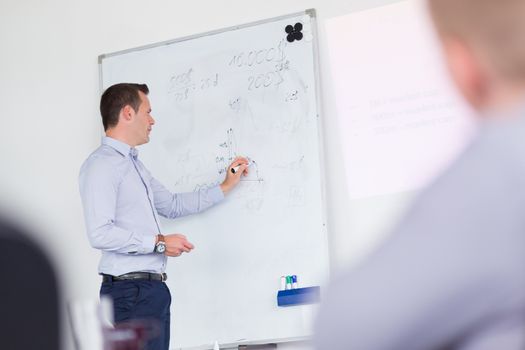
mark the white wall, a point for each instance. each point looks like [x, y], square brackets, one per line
[50, 122]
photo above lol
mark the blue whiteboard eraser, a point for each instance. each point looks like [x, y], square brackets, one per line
[299, 296]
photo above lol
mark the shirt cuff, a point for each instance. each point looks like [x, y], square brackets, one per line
[216, 194]
[148, 243]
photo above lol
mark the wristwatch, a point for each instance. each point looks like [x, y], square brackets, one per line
[160, 246]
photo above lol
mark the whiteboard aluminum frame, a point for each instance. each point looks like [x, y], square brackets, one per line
[320, 132]
[309, 12]
[236, 345]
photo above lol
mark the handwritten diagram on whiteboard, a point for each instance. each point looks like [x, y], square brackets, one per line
[250, 91]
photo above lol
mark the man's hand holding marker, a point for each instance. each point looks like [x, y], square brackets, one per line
[238, 168]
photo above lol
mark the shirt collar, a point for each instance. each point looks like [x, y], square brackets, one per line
[119, 146]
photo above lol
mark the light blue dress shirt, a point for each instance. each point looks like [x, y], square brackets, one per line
[122, 202]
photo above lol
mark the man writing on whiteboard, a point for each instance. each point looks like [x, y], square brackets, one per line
[122, 203]
[452, 274]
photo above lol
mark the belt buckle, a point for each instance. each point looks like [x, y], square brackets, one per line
[163, 277]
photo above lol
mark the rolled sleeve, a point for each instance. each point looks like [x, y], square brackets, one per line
[148, 244]
[172, 205]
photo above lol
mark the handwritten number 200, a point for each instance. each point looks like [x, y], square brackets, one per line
[264, 80]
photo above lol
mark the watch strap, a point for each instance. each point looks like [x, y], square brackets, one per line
[158, 242]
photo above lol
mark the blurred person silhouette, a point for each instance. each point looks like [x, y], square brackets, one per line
[452, 273]
[29, 305]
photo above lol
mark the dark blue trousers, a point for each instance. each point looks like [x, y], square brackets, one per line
[142, 300]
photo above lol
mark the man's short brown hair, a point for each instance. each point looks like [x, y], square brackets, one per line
[494, 28]
[117, 97]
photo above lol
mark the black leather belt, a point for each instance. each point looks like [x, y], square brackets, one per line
[136, 276]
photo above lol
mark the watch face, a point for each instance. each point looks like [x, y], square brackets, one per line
[161, 247]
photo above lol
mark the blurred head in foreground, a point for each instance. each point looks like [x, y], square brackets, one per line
[29, 300]
[484, 47]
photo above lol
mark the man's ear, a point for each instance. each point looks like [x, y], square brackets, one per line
[127, 113]
[467, 72]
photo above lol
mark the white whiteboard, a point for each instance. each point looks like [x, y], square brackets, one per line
[240, 91]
